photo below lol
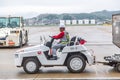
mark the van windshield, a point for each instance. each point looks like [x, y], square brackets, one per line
[11, 22]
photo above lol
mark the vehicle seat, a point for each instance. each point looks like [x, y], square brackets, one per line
[72, 41]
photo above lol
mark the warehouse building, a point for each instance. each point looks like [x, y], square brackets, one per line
[74, 22]
[80, 21]
[68, 22]
[92, 21]
[86, 21]
[62, 21]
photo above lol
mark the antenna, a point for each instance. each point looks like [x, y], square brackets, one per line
[40, 39]
[44, 39]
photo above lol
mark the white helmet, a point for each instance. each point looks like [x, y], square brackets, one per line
[62, 26]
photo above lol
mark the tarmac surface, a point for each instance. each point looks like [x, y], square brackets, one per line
[99, 39]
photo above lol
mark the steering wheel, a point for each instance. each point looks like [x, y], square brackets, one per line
[52, 39]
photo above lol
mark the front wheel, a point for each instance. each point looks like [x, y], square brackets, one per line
[20, 40]
[31, 66]
[76, 63]
[26, 38]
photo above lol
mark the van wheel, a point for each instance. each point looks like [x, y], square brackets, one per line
[31, 66]
[20, 41]
[26, 38]
[76, 64]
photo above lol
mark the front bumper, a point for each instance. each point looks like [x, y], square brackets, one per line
[91, 59]
[7, 43]
[18, 60]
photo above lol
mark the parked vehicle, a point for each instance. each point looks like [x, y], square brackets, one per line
[12, 32]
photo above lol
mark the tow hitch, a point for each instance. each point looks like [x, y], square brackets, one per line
[113, 61]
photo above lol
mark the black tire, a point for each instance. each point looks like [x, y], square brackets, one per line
[26, 38]
[114, 68]
[69, 66]
[117, 68]
[20, 40]
[36, 65]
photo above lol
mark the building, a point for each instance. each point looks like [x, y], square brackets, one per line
[92, 21]
[74, 22]
[62, 21]
[86, 21]
[80, 21]
[68, 22]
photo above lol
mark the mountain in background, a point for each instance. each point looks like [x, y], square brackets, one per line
[50, 19]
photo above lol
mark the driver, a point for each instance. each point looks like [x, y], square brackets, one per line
[64, 39]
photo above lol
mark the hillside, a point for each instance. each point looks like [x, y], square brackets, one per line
[47, 19]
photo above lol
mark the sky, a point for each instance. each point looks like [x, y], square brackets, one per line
[31, 8]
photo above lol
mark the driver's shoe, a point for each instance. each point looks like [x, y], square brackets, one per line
[50, 56]
[53, 58]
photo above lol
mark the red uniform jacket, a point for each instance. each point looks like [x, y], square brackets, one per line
[60, 35]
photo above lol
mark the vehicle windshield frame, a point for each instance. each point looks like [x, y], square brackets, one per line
[10, 22]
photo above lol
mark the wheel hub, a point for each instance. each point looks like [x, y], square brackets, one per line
[76, 63]
[31, 66]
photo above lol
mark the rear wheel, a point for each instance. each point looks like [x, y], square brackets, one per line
[117, 68]
[76, 63]
[31, 66]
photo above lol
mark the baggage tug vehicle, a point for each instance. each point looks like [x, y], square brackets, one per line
[74, 56]
[12, 32]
